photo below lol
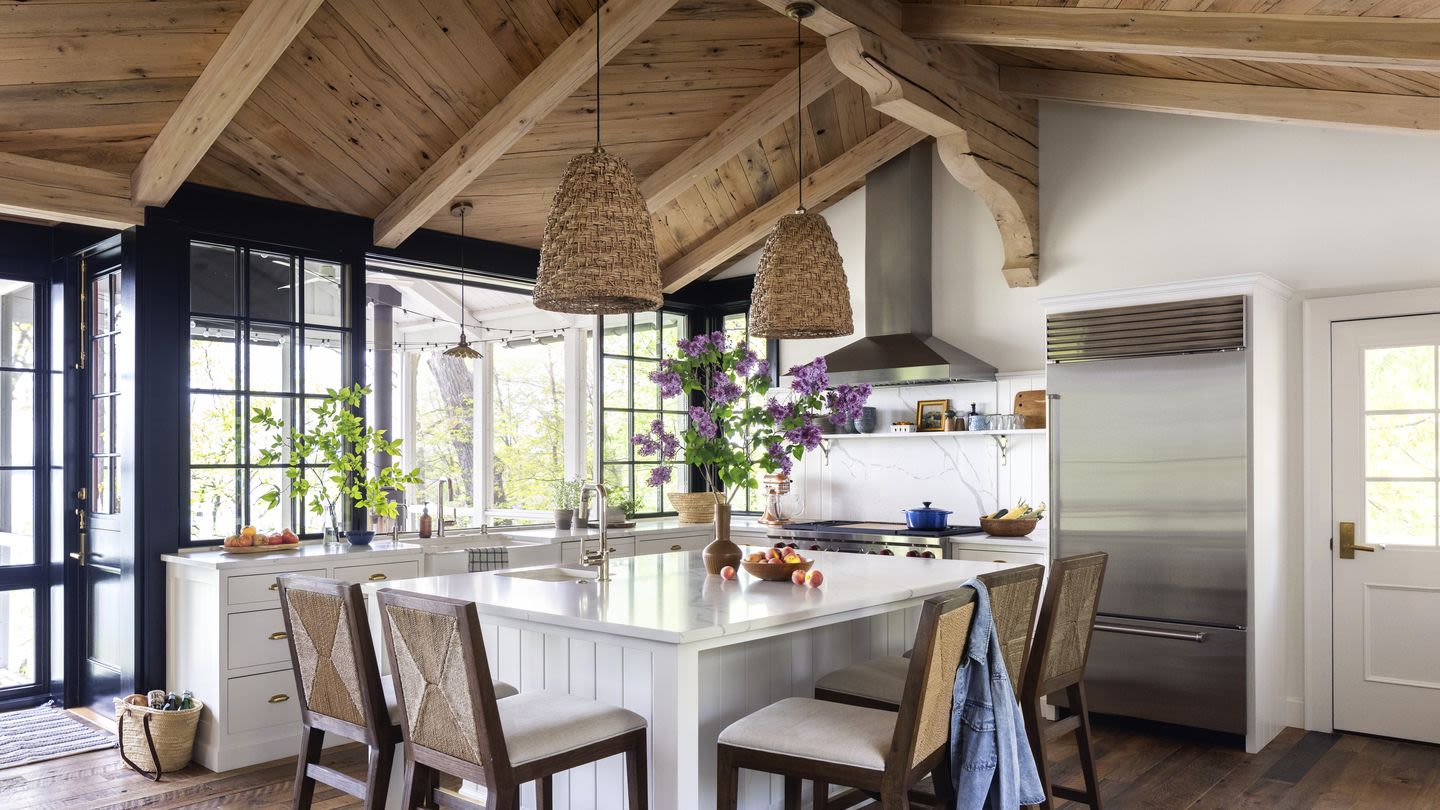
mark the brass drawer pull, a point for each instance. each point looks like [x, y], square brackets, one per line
[612, 551]
[279, 698]
[280, 636]
[377, 577]
[274, 586]
[675, 547]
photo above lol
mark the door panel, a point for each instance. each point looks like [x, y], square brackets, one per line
[1386, 481]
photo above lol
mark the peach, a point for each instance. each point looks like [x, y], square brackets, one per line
[793, 558]
[755, 556]
[798, 577]
[814, 578]
[728, 572]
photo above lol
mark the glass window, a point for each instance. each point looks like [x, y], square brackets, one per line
[633, 347]
[18, 429]
[1402, 457]
[737, 327]
[281, 343]
[17, 638]
[528, 415]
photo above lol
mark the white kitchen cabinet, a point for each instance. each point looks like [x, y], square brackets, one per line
[997, 555]
[691, 541]
[225, 641]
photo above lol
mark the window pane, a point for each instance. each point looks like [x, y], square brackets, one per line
[263, 438]
[102, 425]
[1400, 378]
[674, 327]
[529, 424]
[214, 429]
[617, 334]
[617, 383]
[17, 418]
[212, 354]
[102, 365]
[263, 517]
[17, 638]
[324, 361]
[323, 302]
[272, 286]
[617, 435]
[17, 324]
[100, 302]
[17, 517]
[444, 446]
[1400, 445]
[270, 360]
[647, 334]
[1400, 512]
[647, 393]
[212, 278]
[214, 511]
[105, 481]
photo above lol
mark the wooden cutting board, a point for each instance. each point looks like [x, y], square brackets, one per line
[1031, 405]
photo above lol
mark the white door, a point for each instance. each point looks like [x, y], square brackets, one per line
[1386, 448]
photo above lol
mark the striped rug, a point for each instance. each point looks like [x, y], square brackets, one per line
[46, 732]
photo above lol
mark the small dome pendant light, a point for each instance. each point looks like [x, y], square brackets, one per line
[800, 287]
[462, 350]
[598, 254]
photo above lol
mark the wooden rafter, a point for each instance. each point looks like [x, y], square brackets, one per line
[988, 142]
[258, 39]
[44, 189]
[1223, 100]
[822, 184]
[1373, 42]
[537, 95]
[749, 124]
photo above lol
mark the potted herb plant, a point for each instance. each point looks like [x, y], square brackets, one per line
[730, 434]
[325, 464]
[567, 499]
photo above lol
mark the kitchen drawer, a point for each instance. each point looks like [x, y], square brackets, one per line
[378, 572]
[570, 549]
[252, 588]
[983, 555]
[256, 637]
[261, 701]
[669, 544]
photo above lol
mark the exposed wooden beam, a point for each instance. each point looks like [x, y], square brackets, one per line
[764, 113]
[44, 189]
[537, 95]
[1373, 42]
[258, 39]
[1221, 100]
[988, 142]
[822, 184]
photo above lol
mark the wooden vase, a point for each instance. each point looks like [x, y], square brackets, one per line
[721, 551]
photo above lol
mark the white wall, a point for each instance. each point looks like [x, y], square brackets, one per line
[1134, 198]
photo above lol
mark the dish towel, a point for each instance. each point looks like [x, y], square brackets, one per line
[495, 558]
[990, 757]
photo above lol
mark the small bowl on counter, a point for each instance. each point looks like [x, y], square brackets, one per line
[774, 571]
[1015, 527]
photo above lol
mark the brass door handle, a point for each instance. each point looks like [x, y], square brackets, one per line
[280, 636]
[278, 698]
[1348, 546]
[377, 577]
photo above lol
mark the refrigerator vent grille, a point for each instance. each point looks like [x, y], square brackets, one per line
[1180, 327]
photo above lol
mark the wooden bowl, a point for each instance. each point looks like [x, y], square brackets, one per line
[1008, 528]
[774, 572]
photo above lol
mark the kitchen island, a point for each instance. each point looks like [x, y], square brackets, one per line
[691, 653]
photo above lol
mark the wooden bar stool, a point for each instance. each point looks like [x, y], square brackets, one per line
[341, 691]
[1062, 646]
[454, 724]
[879, 682]
[883, 753]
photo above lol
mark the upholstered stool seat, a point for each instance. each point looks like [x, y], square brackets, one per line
[878, 680]
[819, 730]
[387, 685]
[543, 724]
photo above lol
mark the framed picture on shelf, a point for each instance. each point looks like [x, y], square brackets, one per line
[930, 415]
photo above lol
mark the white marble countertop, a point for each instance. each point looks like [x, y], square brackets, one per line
[1036, 541]
[218, 558]
[669, 598]
[521, 535]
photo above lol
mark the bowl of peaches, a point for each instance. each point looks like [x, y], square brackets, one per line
[779, 564]
[250, 541]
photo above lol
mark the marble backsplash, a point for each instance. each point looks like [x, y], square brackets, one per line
[874, 479]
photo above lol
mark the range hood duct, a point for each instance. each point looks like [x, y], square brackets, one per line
[899, 347]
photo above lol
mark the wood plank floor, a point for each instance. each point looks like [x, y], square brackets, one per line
[1140, 767]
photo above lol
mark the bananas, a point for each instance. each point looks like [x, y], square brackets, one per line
[1021, 511]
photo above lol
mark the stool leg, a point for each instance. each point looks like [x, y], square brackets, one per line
[311, 741]
[545, 792]
[637, 775]
[727, 781]
[1084, 742]
[1037, 747]
[821, 799]
[419, 783]
[792, 793]
[377, 776]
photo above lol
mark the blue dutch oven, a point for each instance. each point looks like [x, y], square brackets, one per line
[926, 518]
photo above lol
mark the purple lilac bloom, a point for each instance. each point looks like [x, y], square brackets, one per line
[704, 425]
[747, 363]
[762, 370]
[647, 445]
[779, 411]
[693, 347]
[719, 341]
[669, 381]
[659, 476]
[847, 402]
[810, 378]
[781, 458]
[807, 435]
[723, 389]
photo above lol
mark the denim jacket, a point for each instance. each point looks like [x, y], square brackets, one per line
[990, 757]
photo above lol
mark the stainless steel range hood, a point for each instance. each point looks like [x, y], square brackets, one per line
[899, 347]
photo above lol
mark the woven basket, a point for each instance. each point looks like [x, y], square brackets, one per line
[155, 742]
[695, 507]
[800, 287]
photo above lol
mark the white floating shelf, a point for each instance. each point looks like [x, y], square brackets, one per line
[933, 434]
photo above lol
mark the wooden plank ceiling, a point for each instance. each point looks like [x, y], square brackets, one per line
[369, 94]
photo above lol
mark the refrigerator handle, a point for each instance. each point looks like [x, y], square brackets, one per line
[1052, 438]
[1106, 627]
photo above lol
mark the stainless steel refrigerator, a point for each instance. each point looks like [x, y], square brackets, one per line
[1149, 462]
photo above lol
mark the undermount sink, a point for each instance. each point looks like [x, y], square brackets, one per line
[553, 573]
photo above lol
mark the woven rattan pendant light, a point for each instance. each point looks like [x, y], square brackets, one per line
[800, 287]
[462, 349]
[598, 253]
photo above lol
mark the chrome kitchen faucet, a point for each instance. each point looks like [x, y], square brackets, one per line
[601, 557]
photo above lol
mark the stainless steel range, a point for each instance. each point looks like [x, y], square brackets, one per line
[859, 537]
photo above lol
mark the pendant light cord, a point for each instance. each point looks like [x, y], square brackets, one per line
[462, 273]
[598, 8]
[799, 108]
